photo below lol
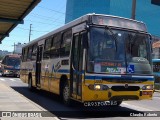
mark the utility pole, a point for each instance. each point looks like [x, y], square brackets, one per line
[14, 48]
[133, 16]
[30, 30]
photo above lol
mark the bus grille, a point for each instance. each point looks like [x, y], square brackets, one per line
[125, 97]
[123, 88]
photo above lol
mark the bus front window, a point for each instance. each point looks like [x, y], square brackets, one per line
[15, 62]
[118, 52]
[102, 45]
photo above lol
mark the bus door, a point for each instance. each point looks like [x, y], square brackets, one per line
[76, 67]
[38, 65]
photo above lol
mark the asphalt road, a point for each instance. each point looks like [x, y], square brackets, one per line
[53, 103]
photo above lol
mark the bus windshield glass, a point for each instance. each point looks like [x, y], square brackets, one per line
[13, 61]
[118, 52]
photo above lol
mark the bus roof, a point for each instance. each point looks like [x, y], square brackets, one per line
[13, 55]
[76, 22]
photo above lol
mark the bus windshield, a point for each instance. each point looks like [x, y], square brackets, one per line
[118, 51]
[13, 62]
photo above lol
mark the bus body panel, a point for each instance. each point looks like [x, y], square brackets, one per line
[103, 95]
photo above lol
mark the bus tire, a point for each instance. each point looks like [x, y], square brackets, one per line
[30, 83]
[66, 94]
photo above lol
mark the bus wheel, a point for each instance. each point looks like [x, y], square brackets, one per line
[30, 84]
[66, 94]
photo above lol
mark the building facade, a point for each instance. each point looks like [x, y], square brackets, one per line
[145, 11]
[18, 48]
[77, 8]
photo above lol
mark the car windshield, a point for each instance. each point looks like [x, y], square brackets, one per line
[118, 51]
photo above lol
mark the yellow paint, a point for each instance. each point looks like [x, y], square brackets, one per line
[102, 95]
[52, 84]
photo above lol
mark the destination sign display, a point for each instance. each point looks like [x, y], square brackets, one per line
[119, 22]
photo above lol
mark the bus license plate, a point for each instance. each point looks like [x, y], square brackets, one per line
[147, 93]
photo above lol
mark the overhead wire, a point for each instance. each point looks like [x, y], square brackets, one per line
[32, 30]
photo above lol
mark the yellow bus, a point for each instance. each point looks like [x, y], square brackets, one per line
[93, 58]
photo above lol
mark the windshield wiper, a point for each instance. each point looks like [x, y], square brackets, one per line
[113, 35]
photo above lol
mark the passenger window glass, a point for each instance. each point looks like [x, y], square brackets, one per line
[66, 43]
[46, 54]
[55, 46]
[25, 54]
[29, 53]
[34, 52]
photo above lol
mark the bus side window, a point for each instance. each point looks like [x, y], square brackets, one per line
[34, 52]
[66, 43]
[22, 55]
[25, 54]
[29, 53]
[55, 46]
[46, 53]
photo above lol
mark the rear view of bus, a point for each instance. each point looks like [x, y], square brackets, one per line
[11, 65]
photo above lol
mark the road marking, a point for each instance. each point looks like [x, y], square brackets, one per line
[136, 107]
[2, 79]
[12, 80]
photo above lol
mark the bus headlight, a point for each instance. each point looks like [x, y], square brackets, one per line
[94, 87]
[97, 87]
[147, 87]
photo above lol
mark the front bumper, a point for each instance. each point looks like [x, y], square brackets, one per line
[11, 72]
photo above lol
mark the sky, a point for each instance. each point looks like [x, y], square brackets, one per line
[45, 17]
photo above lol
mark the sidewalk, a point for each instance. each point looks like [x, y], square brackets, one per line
[19, 107]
